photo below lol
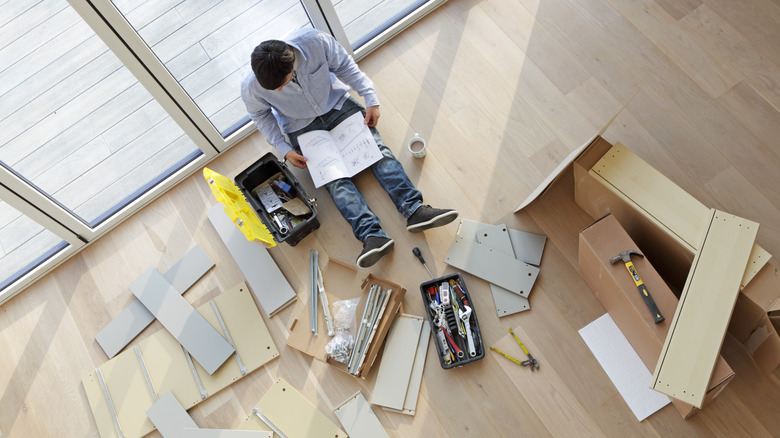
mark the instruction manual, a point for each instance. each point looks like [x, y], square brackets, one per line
[341, 152]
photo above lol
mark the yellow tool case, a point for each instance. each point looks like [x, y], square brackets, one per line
[266, 202]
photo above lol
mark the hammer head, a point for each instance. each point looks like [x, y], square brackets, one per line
[625, 256]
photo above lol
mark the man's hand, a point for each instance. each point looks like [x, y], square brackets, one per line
[296, 159]
[372, 116]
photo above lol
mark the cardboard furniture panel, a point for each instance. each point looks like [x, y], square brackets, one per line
[615, 289]
[702, 317]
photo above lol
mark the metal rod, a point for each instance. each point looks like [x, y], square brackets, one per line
[148, 378]
[110, 403]
[270, 424]
[225, 331]
[361, 328]
[203, 393]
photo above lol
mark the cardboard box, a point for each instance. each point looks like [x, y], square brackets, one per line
[667, 238]
[342, 282]
[616, 291]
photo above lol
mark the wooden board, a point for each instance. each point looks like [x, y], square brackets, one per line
[415, 379]
[497, 237]
[169, 371]
[492, 266]
[358, 419]
[178, 316]
[135, 317]
[662, 201]
[702, 317]
[267, 282]
[295, 416]
[395, 370]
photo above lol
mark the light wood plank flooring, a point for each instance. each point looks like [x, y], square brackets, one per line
[501, 90]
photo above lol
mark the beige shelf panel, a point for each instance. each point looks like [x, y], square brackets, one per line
[169, 370]
[702, 317]
[662, 201]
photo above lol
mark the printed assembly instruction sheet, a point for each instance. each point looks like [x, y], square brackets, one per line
[341, 152]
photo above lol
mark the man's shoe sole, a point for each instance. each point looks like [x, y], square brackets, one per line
[370, 258]
[438, 221]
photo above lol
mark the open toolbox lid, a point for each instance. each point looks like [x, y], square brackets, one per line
[238, 209]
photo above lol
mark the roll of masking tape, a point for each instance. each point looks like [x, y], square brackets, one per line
[417, 146]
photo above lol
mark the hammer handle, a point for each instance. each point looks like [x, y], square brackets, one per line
[657, 317]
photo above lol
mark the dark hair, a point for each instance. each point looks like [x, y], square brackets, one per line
[272, 61]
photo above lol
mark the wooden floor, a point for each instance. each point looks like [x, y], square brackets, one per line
[501, 90]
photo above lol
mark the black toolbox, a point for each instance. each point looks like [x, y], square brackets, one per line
[285, 212]
[433, 292]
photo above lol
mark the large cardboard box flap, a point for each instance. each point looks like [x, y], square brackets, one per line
[615, 289]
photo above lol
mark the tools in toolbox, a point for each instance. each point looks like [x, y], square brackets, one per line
[266, 202]
[530, 362]
[452, 317]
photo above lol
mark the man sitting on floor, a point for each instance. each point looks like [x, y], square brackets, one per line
[296, 87]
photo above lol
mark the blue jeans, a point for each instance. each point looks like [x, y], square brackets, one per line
[388, 171]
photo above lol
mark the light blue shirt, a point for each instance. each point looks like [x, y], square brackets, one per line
[322, 65]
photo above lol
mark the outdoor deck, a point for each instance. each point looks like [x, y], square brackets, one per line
[77, 124]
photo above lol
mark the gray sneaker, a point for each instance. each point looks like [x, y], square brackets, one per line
[428, 217]
[374, 248]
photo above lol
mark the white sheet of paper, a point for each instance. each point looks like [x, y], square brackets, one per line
[623, 366]
[341, 153]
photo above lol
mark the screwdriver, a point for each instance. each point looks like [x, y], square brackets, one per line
[416, 252]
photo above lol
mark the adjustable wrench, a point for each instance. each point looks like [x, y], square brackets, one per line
[464, 316]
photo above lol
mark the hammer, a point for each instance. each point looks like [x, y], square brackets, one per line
[626, 257]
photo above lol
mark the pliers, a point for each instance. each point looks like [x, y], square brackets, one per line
[530, 362]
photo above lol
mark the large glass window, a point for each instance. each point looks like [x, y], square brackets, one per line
[206, 46]
[24, 245]
[75, 123]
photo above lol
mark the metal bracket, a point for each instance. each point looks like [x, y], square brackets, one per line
[226, 333]
[148, 378]
[203, 393]
[110, 403]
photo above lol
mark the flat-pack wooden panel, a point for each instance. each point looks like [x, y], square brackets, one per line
[699, 324]
[662, 201]
[492, 266]
[494, 236]
[267, 282]
[135, 317]
[342, 282]
[395, 370]
[415, 379]
[359, 420]
[169, 417]
[178, 316]
[169, 371]
[293, 415]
